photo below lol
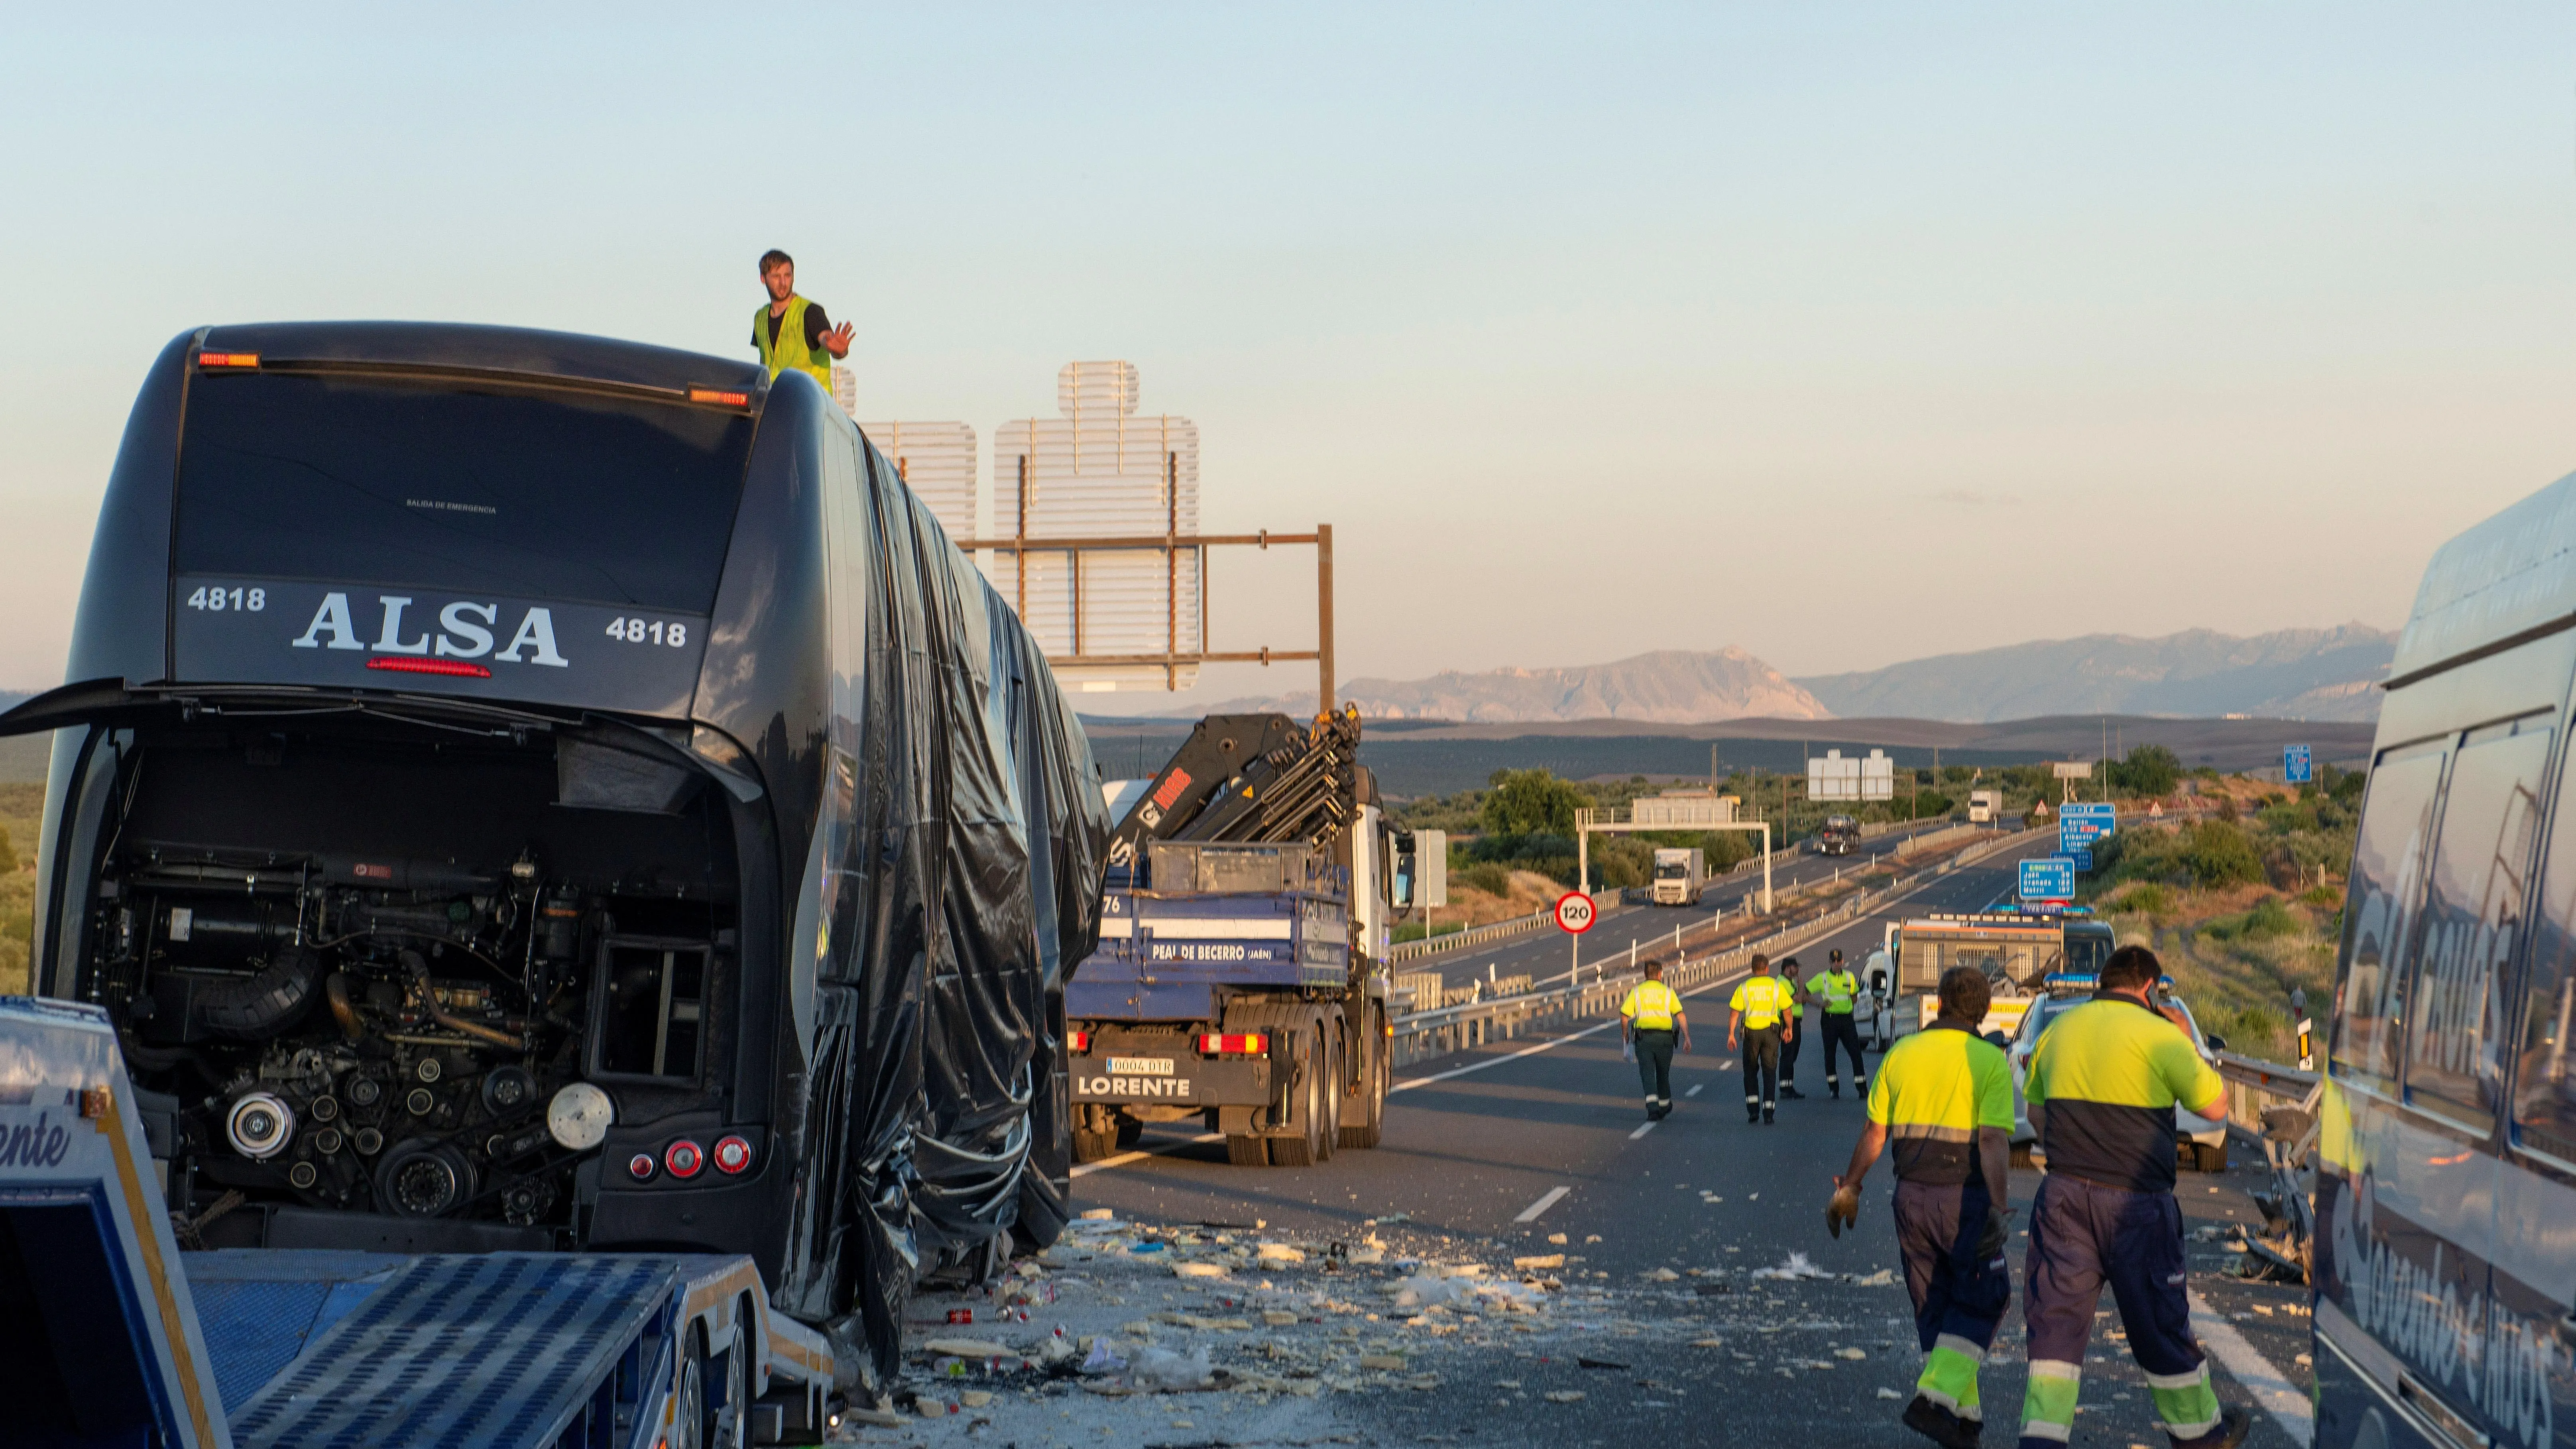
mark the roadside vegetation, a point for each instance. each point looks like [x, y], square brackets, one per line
[22, 808]
[2244, 903]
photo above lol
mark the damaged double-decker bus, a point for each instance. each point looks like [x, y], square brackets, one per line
[518, 791]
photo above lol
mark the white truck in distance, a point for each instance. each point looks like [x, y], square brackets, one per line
[1678, 873]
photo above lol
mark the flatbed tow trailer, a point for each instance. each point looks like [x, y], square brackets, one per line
[112, 1335]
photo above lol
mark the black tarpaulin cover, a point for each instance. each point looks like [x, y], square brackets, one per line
[957, 863]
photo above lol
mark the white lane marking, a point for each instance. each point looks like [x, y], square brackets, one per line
[2289, 1407]
[1123, 1158]
[1693, 1092]
[1643, 1128]
[1409, 1083]
[1549, 1199]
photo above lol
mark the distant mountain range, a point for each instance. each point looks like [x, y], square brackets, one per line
[1669, 686]
[2316, 674]
[2322, 674]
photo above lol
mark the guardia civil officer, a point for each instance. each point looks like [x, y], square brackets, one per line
[791, 331]
[1761, 1009]
[1650, 1018]
[2102, 1085]
[1789, 1043]
[1837, 988]
[1944, 1098]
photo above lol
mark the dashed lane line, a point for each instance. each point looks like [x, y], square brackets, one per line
[1086, 1168]
[1548, 1199]
[2288, 1407]
[1642, 1129]
[1693, 1092]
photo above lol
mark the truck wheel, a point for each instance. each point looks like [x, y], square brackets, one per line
[1247, 1151]
[1095, 1134]
[1328, 1122]
[1130, 1132]
[1305, 1107]
[1364, 1112]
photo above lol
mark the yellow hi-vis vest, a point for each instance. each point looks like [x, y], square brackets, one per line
[1837, 988]
[1651, 1006]
[1763, 1000]
[790, 349]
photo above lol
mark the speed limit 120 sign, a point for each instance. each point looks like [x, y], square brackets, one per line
[1574, 913]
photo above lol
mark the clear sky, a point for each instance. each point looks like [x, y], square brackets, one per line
[1844, 333]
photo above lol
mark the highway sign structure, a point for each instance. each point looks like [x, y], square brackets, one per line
[2051, 879]
[2298, 764]
[2080, 823]
[1832, 777]
[2081, 855]
[1574, 913]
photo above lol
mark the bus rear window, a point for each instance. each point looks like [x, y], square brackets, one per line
[484, 489]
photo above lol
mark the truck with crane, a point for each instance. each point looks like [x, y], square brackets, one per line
[1241, 977]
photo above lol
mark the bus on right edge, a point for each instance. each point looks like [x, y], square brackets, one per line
[2446, 1188]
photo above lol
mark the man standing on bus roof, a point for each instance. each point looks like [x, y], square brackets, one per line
[2102, 1085]
[791, 331]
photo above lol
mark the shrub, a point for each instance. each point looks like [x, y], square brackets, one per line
[2271, 918]
[2148, 770]
[1492, 878]
[2220, 855]
[2145, 898]
[1530, 802]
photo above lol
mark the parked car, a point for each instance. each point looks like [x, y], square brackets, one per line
[2204, 1139]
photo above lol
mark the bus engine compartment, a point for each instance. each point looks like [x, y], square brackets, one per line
[372, 970]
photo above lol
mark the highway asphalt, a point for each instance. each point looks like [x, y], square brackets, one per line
[1476, 1142]
[1547, 953]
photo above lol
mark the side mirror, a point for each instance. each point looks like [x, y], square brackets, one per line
[2216, 1042]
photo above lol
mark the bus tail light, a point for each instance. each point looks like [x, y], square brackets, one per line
[732, 1155]
[228, 359]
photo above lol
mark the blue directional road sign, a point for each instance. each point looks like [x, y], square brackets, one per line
[2052, 879]
[2082, 823]
[2298, 766]
[2082, 857]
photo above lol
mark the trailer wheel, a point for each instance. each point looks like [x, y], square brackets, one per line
[729, 1427]
[1368, 1100]
[1247, 1151]
[689, 1395]
[1129, 1131]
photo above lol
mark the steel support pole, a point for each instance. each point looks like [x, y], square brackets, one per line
[1583, 859]
[1766, 867]
[1324, 613]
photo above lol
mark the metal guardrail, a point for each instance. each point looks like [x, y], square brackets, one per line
[1421, 1035]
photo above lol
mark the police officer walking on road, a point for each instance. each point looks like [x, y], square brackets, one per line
[1838, 988]
[1944, 1098]
[2102, 1085]
[1650, 1018]
[1761, 1009]
[1789, 1043]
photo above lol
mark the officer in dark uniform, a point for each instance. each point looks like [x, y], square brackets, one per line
[1838, 989]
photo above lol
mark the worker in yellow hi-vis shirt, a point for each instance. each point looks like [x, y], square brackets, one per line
[2102, 1086]
[1944, 1104]
[792, 332]
[1651, 1018]
[1761, 1007]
